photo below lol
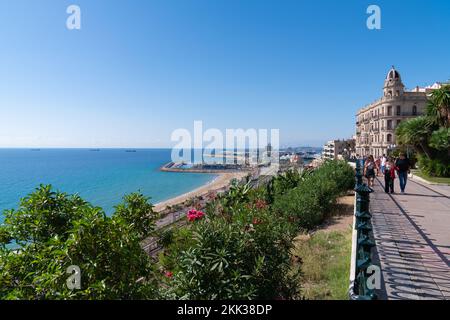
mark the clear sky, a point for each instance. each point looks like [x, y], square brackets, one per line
[137, 70]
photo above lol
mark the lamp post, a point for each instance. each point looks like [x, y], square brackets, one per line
[391, 147]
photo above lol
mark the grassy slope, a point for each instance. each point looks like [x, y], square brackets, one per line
[326, 264]
[325, 255]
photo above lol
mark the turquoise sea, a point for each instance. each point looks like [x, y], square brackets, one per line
[101, 177]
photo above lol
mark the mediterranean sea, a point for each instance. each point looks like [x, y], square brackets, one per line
[100, 176]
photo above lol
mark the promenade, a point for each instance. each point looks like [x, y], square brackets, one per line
[412, 235]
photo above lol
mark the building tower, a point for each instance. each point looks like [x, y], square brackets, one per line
[393, 85]
[376, 123]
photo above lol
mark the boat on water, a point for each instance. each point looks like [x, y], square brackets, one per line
[130, 151]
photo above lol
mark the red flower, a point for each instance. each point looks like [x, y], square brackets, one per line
[193, 215]
[200, 214]
[169, 274]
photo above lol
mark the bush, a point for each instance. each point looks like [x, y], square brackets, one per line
[435, 167]
[309, 203]
[242, 252]
[52, 231]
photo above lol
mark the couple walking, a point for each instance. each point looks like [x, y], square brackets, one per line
[389, 167]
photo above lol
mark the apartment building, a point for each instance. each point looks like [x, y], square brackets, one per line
[376, 123]
[338, 149]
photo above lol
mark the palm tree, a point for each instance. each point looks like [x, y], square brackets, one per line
[415, 132]
[438, 108]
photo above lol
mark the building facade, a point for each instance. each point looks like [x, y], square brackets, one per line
[376, 123]
[338, 149]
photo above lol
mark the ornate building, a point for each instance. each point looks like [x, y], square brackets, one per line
[376, 123]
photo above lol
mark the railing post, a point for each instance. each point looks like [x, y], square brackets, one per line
[364, 243]
[359, 174]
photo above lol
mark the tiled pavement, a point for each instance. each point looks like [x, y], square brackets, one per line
[412, 235]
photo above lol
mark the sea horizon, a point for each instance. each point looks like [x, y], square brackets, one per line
[101, 178]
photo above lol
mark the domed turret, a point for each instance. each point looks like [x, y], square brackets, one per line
[393, 85]
[393, 74]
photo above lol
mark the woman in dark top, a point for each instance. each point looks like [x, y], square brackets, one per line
[403, 168]
[369, 170]
[389, 176]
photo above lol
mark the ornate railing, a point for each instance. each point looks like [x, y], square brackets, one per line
[362, 242]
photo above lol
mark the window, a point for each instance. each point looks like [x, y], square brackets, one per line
[399, 110]
[414, 111]
[389, 138]
[389, 124]
[389, 111]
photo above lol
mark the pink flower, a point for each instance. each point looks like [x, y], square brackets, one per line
[169, 274]
[200, 214]
[193, 215]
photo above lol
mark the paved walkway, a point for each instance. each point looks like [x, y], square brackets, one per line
[412, 234]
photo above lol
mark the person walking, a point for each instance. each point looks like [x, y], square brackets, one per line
[403, 167]
[383, 163]
[389, 176]
[369, 170]
[378, 165]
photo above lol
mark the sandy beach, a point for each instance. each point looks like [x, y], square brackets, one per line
[220, 182]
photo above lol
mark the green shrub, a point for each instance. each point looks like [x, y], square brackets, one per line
[439, 167]
[309, 203]
[242, 252]
[52, 231]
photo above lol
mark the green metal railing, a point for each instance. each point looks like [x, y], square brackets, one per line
[363, 243]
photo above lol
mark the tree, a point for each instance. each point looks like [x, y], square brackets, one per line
[429, 134]
[440, 139]
[138, 213]
[51, 231]
[415, 132]
[438, 108]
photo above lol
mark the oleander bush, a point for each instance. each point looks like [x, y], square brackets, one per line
[241, 247]
[309, 203]
[237, 250]
[242, 256]
[52, 231]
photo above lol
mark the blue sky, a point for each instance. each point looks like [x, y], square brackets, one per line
[137, 70]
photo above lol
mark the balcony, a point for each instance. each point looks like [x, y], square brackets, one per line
[408, 114]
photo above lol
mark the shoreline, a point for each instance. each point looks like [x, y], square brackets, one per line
[221, 181]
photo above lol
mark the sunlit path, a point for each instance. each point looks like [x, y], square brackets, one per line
[413, 241]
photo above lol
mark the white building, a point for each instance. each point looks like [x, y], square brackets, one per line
[376, 123]
[338, 149]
